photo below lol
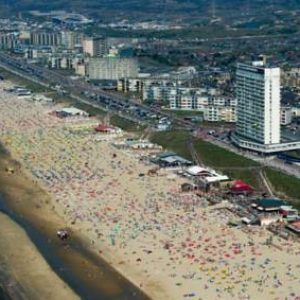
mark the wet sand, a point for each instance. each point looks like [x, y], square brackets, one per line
[86, 273]
[28, 276]
[170, 244]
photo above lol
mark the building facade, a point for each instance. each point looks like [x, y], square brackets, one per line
[68, 39]
[258, 109]
[45, 38]
[8, 41]
[111, 68]
[95, 46]
[286, 115]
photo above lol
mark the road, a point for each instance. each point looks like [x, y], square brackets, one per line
[87, 93]
[83, 91]
[272, 162]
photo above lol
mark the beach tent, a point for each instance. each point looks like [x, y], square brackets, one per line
[104, 128]
[241, 187]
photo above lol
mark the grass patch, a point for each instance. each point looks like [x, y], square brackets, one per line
[285, 184]
[176, 141]
[249, 176]
[123, 123]
[115, 120]
[18, 80]
[211, 155]
[126, 124]
[184, 113]
[215, 156]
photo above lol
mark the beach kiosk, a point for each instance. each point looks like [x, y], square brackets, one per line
[268, 205]
[239, 187]
[289, 213]
[295, 226]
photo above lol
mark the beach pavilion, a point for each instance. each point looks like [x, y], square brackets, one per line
[268, 205]
[239, 187]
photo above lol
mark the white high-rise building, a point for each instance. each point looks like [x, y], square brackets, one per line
[258, 110]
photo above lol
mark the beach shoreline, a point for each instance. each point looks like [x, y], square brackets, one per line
[47, 221]
[18, 280]
[169, 244]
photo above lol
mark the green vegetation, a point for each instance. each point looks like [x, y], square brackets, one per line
[210, 154]
[226, 161]
[249, 176]
[116, 120]
[184, 113]
[93, 111]
[190, 33]
[173, 140]
[35, 87]
[285, 184]
[126, 125]
[218, 157]
[177, 141]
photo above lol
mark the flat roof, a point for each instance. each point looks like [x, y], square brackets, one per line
[211, 179]
[270, 203]
[288, 135]
[195, 170]
[174, 158]
[166, 154]
[71, 110]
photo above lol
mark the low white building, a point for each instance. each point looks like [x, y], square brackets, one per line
[71, 112]
[80, 69]
[220, 114]
[208, 175]
[286, 115]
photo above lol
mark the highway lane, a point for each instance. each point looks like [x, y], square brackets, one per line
[75, 90]
[84, 92]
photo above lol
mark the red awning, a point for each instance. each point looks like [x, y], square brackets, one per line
[240, 185]
[103, 127]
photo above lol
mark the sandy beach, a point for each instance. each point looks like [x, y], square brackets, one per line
[21, 278]
[141, 224]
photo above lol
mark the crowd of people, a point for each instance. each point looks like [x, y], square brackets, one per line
[172, 240]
